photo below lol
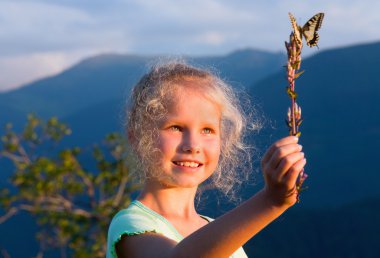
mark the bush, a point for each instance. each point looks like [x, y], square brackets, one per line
[73, 205]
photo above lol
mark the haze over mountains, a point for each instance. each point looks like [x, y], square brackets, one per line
[107, 77]
[340, 97]
[339, 94]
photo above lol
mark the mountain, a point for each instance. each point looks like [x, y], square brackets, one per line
[339, 94]
[348, 231]
[93, 123]
[109, 77]
[90, 82]
[90, 97]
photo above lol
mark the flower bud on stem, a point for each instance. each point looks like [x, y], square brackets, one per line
[294, 118]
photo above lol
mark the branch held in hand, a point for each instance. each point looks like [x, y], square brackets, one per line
[294, 49]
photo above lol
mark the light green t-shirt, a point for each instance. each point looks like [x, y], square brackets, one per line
[138, 219]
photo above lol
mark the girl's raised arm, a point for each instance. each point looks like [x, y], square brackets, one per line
[281, 166]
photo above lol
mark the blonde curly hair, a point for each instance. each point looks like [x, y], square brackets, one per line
[148, 104]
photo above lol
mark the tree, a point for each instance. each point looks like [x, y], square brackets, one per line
[72, 204]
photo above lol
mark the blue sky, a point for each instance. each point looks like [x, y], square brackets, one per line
[43, 37]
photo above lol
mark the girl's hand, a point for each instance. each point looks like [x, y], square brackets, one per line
[281, 165]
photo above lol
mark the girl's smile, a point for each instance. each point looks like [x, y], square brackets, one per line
[191, 164]
[178, 117]
[189, 139]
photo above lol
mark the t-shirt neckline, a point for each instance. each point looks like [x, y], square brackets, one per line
[157, 215]
[162, 218]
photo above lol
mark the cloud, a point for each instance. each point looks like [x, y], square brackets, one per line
[37, 27]
[68, 30]
[22, 69]
[25, 68]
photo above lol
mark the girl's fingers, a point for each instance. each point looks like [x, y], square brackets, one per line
[281, 155]
[293, 173]
[287, 163]
[282, 165]
[284, 141]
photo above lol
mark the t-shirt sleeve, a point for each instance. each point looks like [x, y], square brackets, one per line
[125, 223]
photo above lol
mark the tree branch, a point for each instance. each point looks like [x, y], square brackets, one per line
[121, 189]
[23, 153]
[4, 253]
[11, 212]
[57, 208]
[87, 181]
[13, 157]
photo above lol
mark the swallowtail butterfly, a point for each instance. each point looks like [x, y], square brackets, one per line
[309, 30]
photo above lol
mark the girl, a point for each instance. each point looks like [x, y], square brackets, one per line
[185, 126]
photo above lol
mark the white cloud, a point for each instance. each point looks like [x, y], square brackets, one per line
[72, 29]
[29, 27]
[22, 69]
[212, 38]
[25, 68]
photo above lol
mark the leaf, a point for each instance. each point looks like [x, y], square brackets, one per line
[291, 93]
[296, 64]
[53, 121]
[60, 190]
[298, 74]
[8, 126]
[288, 123]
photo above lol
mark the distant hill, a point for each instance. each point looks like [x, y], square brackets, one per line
[349, 231]
[109, 77]
[10, 114]
[340, 98]
[90, 82]
[339, 94]
[99, 119]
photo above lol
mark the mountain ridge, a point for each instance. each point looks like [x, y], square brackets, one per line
[104, 77]
[339, 94]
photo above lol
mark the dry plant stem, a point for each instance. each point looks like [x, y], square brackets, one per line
[294, 118]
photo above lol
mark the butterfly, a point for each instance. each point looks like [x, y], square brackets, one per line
[309, 30]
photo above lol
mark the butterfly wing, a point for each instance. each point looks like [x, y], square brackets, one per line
[309, 30]
[297, 32]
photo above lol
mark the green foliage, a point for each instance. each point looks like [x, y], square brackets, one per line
[72, 205]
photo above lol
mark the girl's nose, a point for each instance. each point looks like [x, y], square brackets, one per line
[190, 149]
[191, 143]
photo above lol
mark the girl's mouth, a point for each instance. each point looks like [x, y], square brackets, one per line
[190, 164]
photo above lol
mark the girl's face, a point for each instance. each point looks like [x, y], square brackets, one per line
[189, 140]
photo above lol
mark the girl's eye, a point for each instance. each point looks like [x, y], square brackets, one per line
[175, 128]
[207, 131]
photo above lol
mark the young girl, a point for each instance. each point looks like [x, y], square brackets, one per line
[185, 126]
